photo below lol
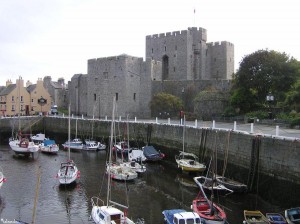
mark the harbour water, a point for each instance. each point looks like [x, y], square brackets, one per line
[162, 187]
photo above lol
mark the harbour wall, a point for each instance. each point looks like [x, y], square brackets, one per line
[252, 159]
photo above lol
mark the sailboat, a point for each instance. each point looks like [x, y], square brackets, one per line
[107, 214]
[2, 178]
[207, 209]
[68, 171]
[188, 161]
[137, 166]
[22, 144]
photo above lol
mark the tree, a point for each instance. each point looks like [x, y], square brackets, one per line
[164, 104]
[260, 73]
[293, 97]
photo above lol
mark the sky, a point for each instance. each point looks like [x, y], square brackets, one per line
[56, 38]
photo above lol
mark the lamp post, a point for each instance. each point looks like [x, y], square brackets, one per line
[270, 100]
[181, 112]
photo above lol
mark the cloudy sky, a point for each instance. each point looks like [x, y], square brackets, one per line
[40, 38]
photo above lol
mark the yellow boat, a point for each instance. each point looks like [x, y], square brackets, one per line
[255, 217]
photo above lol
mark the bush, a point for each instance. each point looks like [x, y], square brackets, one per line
[258, 114]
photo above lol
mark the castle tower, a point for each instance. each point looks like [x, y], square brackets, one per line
[185, 55]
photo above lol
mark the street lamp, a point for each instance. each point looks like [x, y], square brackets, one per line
[270, 100]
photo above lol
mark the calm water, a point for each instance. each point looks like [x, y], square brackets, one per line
[162, 187]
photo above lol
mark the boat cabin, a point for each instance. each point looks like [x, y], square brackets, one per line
[186, 218]
[108, 214]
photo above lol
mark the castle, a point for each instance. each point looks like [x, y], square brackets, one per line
[174, 62]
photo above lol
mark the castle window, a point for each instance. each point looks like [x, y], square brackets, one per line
[165, 48]
[117, 96]
[175, 47]
[174, 55]
[95, 97]
[105, 74]
[152, 50]
[134, 96]
[215, 59]
[174, 69]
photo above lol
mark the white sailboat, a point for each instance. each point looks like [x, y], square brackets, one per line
[107, 214]
[22, 144]
[138, 167]
[68, 171]
[188, 161]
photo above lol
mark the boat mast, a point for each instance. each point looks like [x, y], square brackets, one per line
[183, 134]
[110, 151]
[69, 131]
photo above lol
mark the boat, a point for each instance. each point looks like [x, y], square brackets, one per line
[22, 145]
[292, 215]
[76, 145]
[108, 213]
[38, 138]
[121, 147]
[92, 145]
[68, 171]
[255, 217]
[137, 166]
[152, 154]
[178, 216]
[276, 218]
[209, 184]
[207, 209]
[188, 161]
[233, 185]
[49, 146]
[136, 154]
[2, 177]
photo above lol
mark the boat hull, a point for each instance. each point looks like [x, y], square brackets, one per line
[68, 173]
[253, 217]
[27, 149]
[292, 215]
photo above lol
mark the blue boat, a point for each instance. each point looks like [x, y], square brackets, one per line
[175, 216]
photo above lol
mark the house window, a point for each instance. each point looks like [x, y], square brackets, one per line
[21, 107]
[31, 100]
[134, 96]
[31, 108]
[12, 98]
[12, 107]
[117, 96]
[95, 97]
[21, 98]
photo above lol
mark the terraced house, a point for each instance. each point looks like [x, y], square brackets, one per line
[18, 99]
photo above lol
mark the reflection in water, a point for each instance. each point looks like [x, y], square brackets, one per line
[162, 187]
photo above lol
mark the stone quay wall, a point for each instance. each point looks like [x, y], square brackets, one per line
[250, 155]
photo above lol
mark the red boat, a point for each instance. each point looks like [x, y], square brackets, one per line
[207, 210]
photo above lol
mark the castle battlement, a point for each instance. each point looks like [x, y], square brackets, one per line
[219, 43]
[177, 33]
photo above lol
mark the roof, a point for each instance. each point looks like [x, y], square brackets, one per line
[8, 90]
[30, 88]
